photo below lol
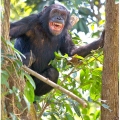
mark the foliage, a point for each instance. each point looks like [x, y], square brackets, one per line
[83, 79]
[11, 64]
[82, 76]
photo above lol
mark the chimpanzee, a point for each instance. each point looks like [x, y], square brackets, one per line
[40, 35]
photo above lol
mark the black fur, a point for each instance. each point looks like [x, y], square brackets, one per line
[35, 40]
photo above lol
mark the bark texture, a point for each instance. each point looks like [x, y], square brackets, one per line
[5, 35]
[9, 101]
[110, 65]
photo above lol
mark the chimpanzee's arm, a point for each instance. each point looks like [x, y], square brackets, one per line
[22, 26]
[86, 49]
[23, 46]
[69, 48]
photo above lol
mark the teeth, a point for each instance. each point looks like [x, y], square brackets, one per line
[58, 24]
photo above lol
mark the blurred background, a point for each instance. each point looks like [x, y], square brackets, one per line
[91, 13]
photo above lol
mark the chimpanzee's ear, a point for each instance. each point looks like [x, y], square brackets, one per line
[42, 12]
[44, 8]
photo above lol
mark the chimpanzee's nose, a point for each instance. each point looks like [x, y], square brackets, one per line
[59, 18]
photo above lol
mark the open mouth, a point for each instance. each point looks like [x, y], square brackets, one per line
[56, 26]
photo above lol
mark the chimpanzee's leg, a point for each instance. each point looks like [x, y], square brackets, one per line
[43, 88]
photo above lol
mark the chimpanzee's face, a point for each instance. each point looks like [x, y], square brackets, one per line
[57, 20]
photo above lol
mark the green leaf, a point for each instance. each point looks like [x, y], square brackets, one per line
[27, 102]
[10, 44]
[19, 63]
[4, 78]
[97, 114]
[53, 117]
[65, 56]
[85, 86]
[79, 57]
[29, 92]
[82, 74]
[68, 108]
[91, 59]
[97, 72]
[85, 111]
[85, 11]
[82, 25]
[86, 117]
[57, 55]
[77, 2]
[76, 108]
[29, 78]
[94, 93]
[69, 117]
[15, 90]
[19, 54]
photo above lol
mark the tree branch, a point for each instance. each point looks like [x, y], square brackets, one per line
[54, 85]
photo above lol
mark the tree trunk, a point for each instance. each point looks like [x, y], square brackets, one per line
[110, 65]
[9, 102]
[5, 35]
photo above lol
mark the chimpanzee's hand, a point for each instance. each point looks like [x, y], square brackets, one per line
[29, 60]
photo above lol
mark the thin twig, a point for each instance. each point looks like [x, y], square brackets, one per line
[43, 109]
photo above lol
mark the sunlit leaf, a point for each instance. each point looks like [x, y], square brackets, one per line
[92, 27]
[68, 108]
[94, 93]
[101, 22]
[96, 114]
[86, 117]
[82, 74]
[57, 55]
[29, 92]
[29, 78]
[97, 71]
